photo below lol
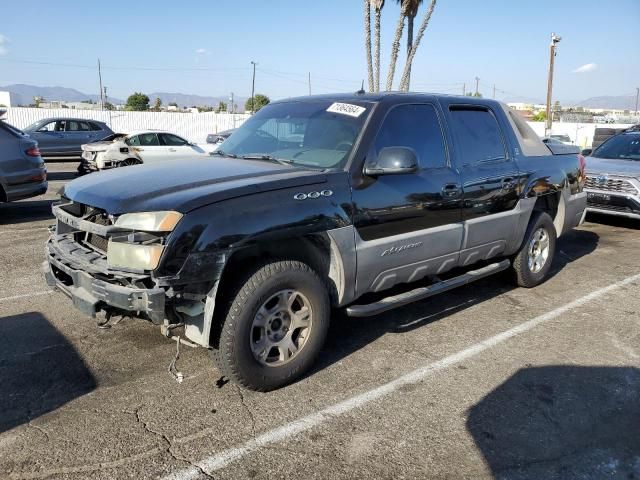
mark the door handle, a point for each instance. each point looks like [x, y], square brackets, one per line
[172, 149]
[451, 190]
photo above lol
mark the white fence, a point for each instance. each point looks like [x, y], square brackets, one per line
[581, 134]
[192, 126]
[196, 126]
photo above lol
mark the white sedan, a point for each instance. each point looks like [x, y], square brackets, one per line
[148, 146]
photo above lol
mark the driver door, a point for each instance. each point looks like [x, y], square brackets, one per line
[408, 225]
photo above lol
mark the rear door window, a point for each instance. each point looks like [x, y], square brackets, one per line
[135, 141]
[477, 134]
[72, 126]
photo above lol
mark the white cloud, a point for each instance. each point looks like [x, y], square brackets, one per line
[4, 41]
[201, 51]
[586, 68]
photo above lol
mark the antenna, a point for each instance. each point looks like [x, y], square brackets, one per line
[361, 91]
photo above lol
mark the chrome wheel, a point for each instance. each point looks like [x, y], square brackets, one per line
[281, 328]
[538, 250]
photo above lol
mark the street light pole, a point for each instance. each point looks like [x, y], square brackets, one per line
[477, 82]
[552, 55]
[637, 95]
[253, 86]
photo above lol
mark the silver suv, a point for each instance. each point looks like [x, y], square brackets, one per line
[613, 176]
[22, 170]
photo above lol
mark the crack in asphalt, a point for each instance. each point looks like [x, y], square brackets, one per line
[168, 443]
[248, 410]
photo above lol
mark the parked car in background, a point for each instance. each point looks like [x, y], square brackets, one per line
[566, 139]
[148, 146]
[22, 170]
[63, 137]
[218, 138]
[613, 176]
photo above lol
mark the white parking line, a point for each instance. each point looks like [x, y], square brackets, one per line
[25, 295]
[224, 458]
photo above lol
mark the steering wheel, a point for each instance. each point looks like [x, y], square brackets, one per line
[345, 143]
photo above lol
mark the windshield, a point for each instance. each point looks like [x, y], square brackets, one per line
[620, 147]
[317, 134]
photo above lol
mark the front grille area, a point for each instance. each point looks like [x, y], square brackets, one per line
[94, 240]
[613, 208]
[617, 185]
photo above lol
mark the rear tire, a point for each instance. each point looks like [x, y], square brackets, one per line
[531, 265]
[275, 326]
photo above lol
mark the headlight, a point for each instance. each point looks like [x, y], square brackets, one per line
[149, 221]
[137, 257]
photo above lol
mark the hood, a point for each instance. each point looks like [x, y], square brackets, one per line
[630, 168]
[183, 185]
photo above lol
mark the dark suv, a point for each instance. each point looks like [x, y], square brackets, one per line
[22, 170]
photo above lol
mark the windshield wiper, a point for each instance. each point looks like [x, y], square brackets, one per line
[223, 154]
[268, 158]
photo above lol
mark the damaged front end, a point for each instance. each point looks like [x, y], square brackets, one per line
[109, 265]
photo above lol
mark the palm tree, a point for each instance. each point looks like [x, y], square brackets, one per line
[395, 47]
[404, 82]
[377, 6]
[367, 40]
[412, 11]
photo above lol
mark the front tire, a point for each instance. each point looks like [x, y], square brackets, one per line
[532, 263]
[275, 326]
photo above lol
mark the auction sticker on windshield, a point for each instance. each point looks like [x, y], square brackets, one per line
[346, 109]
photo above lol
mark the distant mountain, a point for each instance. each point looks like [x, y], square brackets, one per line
[23, 94]
[622, 102]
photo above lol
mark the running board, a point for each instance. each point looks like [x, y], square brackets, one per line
[421, 293]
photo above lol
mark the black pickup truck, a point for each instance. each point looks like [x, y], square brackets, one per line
[315, 203]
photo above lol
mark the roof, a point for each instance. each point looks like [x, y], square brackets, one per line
[378, 97]
[73, 119]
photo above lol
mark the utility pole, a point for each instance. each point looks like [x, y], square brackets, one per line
[253, 86]
[105, 103]
[637, 95]
[555, 39]
[310, 84]
[464, 89]
[100, 79]
[494, 91]
[477, 82]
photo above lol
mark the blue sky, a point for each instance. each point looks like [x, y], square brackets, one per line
[205, 47]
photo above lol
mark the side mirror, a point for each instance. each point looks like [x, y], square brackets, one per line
[586, 152]
[393, 161]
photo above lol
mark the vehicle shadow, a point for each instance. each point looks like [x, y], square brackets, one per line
[39, 369]
[348, 335]
[614, 221]
[25, 211]
[561, 422]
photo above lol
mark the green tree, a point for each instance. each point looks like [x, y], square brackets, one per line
[256, 103]
[474, 94]
[411, 53]
[138, 102]
[173, 104]
[157, 105]
[222, 107]
[109, 106]
[539, 117]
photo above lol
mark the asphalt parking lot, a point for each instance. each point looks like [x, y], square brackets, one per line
[487, 381]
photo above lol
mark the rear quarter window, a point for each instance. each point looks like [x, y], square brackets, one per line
[478, 136]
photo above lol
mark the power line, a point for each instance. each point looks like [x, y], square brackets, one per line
[139, 68]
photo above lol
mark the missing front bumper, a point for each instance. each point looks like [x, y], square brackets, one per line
[90, 294]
